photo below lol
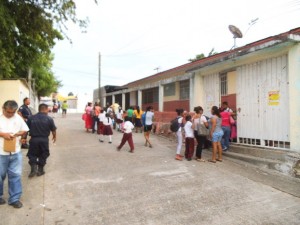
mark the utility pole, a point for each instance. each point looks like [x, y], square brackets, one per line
[99, 79]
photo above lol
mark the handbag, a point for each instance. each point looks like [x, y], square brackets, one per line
[201, 129]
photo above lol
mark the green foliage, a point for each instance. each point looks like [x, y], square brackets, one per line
[201, 56]
[29, 30]
[43, 77]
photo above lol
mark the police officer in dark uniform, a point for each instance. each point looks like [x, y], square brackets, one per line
[40, 126]
[25, 112]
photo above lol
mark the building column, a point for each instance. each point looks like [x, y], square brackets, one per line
[192, 94]
[160, 97]
[294, 93]
[140, 97]
[113, 99]
[123, 101]
[103, 101]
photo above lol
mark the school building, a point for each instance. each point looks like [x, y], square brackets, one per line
[260, 80]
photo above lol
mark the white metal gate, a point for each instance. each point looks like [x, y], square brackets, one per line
[211, 92]
[262, 97]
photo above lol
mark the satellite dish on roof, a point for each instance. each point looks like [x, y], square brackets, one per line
[236, 34]
[235, 31]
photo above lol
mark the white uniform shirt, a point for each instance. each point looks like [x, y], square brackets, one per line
[189, 132]
[128, 126]
[102, 116]
[119, 115]
[12, 125]
[107, 121]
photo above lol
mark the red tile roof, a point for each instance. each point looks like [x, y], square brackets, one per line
[211, 59]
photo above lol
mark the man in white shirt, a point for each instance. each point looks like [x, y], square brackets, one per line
[12, 127]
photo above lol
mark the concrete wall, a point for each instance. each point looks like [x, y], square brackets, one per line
[133, 101]
[231, 79]
[294, 96]
[13, 90]
[173, 97]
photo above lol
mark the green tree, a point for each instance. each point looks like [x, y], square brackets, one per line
[29, 30]
[202, 55]
[43, 77]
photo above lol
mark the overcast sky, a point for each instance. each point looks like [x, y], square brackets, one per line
[135, 37]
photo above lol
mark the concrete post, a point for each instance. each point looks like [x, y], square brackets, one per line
[192, 92]
[140, 97]
[294, 93]
[103, 104]
[160, 97]
[123, 101]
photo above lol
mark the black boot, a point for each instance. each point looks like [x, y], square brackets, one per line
[33, 170]
[40, 171]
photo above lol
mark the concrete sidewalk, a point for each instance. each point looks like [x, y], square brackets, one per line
[90, 183]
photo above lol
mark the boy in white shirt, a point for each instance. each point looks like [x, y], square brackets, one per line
[189, 138]
[127, 136]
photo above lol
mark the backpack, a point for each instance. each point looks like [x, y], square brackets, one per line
[174, 126]
[144, 118]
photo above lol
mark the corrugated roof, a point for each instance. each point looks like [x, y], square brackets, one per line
[196, 64]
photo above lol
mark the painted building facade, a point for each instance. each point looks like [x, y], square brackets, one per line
[17, 89]
[261, 81]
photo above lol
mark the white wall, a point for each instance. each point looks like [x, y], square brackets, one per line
[13, 90]
[294, 96]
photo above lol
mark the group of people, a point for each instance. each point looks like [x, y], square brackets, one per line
[57, 106]
[14, 126]
[113, 116]
[16, 123]
[216, 129]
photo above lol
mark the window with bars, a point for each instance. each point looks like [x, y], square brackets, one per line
[150, 95]
[184, 89]
[224, 84]
[169, 89]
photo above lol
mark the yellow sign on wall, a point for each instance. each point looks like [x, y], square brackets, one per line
[274, 97]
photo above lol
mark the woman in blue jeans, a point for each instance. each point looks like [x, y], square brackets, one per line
[216, 134]
[226, 129]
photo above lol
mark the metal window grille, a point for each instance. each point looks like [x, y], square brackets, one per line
[169, 89]
[224, 85]
[150, 95]
[184, 89]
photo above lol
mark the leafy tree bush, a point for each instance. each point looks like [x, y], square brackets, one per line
[29, 30]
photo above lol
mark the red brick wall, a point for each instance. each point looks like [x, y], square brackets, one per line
[154, 105]
[164, 117]
[171, 106]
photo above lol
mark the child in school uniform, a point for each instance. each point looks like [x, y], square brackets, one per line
[101, 118]
[127, 136]
[106, 131]
[189, 138]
